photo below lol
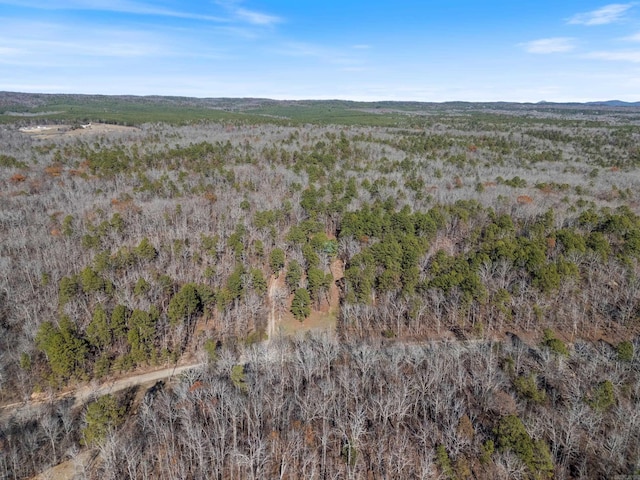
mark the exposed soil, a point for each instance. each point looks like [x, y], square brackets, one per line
[323, 316]
[69, 469]
[57, 131]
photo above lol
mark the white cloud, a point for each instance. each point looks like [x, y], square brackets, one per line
[632, 38]
[620, 56]
[120, 6]
[249, 16]
[256, 18]
[602, 16]
[135, 7]
[55, 45]
[549, 45]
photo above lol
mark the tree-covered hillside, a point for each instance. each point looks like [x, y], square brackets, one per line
[474, 268]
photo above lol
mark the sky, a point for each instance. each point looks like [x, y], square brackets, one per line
[429, 50]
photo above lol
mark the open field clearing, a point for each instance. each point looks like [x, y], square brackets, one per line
[50, 132]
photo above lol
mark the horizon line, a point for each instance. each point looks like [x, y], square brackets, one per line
[323, 99]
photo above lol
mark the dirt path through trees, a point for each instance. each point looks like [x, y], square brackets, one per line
[271, 320]
[88, 392]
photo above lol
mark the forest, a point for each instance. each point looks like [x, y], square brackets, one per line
[363, 291]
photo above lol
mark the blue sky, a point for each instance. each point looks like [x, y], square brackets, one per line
[360, 50]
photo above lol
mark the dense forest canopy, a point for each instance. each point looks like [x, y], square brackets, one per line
[391, 290]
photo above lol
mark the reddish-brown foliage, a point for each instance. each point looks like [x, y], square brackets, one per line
[54, 170]
[124, 205]
[197, 385]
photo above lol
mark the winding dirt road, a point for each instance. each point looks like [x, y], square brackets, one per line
[90, 392]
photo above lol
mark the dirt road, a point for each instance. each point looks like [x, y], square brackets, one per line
[89, 392]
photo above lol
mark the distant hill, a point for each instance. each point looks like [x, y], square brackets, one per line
[614, 103]
[27, 108]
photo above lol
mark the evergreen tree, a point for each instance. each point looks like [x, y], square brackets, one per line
[119, 321]
[91, 281]
[184, 304]
[318, 283]
[276, 260]
[98, 331]
[66, 351]
[512, 435]
[145, 250]
[140, 335]
[301, 304]
[102, 415]
[294, 275]
[258, 281]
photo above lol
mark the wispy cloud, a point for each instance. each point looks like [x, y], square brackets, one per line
[257, 18]
[632, 38]
[120, 6]
[10, 51]
[246, 15]
[549, 45]
[632, 56]
[602, 16]
[41, 43]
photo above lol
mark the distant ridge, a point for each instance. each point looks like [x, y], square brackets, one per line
[614, 103]
[30, 100]
[29, 108]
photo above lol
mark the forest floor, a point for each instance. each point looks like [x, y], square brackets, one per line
[70, 468]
